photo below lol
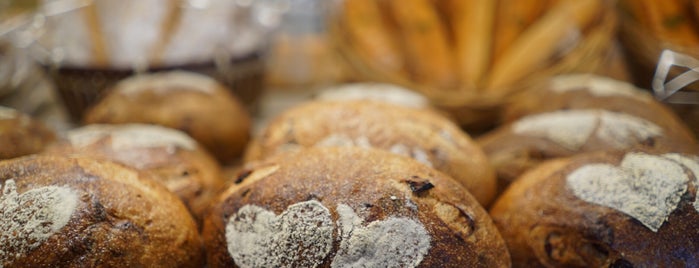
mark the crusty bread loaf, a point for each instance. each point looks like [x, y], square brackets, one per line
[80, 212]
[588, 91]
[422, 134]
[175, 159]
[21, 135]
[513, 148]
[349, 207]
[631, 209]
[190, 102]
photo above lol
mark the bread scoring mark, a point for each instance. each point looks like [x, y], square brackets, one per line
[392, 242]
[30, 218]
[645, 187]
[131, 136]
[301, 236]
[163, 83]
[388, 93]
[8, 113]
[457, 220]
[598, 86]
[691, 163]
[572, 129]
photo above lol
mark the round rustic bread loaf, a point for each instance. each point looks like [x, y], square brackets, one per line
[175, 159]
[21, 135]
[193, 103]
[80, 212]
[631, 209]
[422, 134]
[513, 148]
[589, 91]
[349, 207]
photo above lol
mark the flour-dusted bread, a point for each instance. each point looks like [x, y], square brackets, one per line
[21, 135]
[80, 212]
[193, 103]
[588, 91]
[375, 91]
[422, 134]
[349, 207]
[513, 148]
[634, 209]
[173, 158]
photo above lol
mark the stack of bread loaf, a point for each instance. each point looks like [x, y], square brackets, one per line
[469, 56]
[585, 171]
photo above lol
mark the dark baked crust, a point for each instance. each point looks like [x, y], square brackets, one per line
[216, 118]
[122, 218]
[545, 224]
[22, 135]
[423, 134]
[369, 180]
[190, 173]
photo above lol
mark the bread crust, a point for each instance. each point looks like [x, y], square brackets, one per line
[190, 102]
[545, 223]
[22, 135]
[377, 185]
[423, 134]
[121, 218]
[190, 173]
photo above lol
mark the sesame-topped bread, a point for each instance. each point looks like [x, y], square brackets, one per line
[349, 207]
[522, 144]
[21, 135]
[190, 102]
[634, 209]
[79, 212]
[173, 158]
[422, 134]
[589, 91]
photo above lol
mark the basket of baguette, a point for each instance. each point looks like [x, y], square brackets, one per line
[468, 57]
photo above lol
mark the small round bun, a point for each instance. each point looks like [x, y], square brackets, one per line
[422, 134]
[173, 158]
[589, 91]
[522, 144]
[80, 212]
[21, 135]
[349, 207]
[634, 209]
[193, 103]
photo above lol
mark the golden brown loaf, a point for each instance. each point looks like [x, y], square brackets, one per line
[604, 210]
[80, 212]
[175, 159]
[422, 134]
[513, 148]
[190, 102]
[588, 91]
[21, 135]
[349, 207]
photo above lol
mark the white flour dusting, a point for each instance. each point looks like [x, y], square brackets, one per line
[572, 129]
[645, 187]
[162, 83]
[393, 242]
[30, 218]
[375, 91]
[597, 86]
[130, 136]
[299, 237]
[692, 163]
[338, 139]
[8, 113]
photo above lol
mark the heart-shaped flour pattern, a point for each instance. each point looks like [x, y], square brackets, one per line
[30, 218]
[645, 187]
[692, 164]
[392, 242]
[572, 129]
[301, 236]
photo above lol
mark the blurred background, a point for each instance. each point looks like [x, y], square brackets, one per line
[57, 57]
